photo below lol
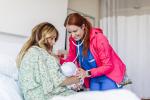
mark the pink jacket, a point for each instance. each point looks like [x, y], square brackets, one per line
[108, 62]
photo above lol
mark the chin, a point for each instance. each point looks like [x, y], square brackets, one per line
[77, 39]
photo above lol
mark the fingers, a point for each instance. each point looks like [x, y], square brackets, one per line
[78, 86]
[81, 73]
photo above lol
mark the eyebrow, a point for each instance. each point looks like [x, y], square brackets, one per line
[73, 31]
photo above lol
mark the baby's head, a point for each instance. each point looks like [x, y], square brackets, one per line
[69, 69]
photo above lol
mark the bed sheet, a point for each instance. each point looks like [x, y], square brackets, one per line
[9, 89]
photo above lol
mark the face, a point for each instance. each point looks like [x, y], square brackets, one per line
[76, 32]
[51, 39]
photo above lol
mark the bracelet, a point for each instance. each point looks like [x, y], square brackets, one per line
[88, 73]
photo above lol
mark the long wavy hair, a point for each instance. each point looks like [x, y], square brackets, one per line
[38, 38]
[78, 20]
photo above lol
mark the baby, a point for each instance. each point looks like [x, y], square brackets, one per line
[70, 69]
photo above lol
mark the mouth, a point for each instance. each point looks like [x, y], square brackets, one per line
[77, 38]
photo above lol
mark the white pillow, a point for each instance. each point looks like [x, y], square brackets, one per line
[8, 66]
[9, 89]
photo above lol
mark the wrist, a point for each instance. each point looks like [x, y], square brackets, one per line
[81, 81]
[88, 73]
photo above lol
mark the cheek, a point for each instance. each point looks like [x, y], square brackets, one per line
[81, 34]
[49, 41]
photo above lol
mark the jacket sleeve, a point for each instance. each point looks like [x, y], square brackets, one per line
[72, 52]
[104, 54]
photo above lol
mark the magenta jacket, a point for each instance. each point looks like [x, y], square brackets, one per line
[108, 62]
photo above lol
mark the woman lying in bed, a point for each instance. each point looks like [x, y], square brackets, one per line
[39, 72]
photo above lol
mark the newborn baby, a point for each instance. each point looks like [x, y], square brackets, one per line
[70, 69]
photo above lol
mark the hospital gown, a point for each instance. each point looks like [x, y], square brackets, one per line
[40, 76]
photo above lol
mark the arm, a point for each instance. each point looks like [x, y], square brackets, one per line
[27, 76]
[104, 54]
[56, 78]
[70, 80]
[72, 52]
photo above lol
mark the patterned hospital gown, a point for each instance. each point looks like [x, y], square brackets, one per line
[40, 76]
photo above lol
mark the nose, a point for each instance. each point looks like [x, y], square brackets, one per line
[74, 34]
[53, 41]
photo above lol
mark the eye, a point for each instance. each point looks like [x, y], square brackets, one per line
[69, 32]
[75, 31]
[53, 38]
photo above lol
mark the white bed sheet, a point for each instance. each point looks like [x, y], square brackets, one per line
[9, 89]
[119, 94]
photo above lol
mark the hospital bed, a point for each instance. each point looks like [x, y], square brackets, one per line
[9, 87]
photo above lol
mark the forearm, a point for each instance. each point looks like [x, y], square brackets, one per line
[70, 80]
[102, 70]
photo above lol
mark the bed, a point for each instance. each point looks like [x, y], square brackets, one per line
[9, 87]
[9, 48]
[119, 94]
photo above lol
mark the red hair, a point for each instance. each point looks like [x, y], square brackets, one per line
[78, 20]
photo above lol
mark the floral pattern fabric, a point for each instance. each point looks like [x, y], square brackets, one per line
[40, 76]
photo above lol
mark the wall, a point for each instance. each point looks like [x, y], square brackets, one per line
[20, 16]
[90, 7]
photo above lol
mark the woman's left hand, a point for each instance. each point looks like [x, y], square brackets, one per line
[77, 87]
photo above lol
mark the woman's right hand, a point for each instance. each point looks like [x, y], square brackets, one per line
[81, 73]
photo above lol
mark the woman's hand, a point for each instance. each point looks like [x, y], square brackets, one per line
[81, 73]
[77, 87]
[61, 53]
[70, 80]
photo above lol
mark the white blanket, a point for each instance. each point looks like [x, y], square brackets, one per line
[9, 89]
[97, 95]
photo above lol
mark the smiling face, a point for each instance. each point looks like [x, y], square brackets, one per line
[51, 39]
[76, 32]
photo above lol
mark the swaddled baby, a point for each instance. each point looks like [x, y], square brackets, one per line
[70, 69]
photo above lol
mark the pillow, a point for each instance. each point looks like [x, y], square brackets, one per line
[8, 66]
[9, 89]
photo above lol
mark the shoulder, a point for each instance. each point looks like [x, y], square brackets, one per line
[97, 34]
[37, 51]
[33, 53]
[34, 49]
[96, 30]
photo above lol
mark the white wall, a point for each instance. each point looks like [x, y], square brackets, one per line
[90, 7]
[20, 16]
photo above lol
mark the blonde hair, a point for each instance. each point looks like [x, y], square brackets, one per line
[38, 38]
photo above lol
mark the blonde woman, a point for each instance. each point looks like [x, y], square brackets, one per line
[40, 77]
